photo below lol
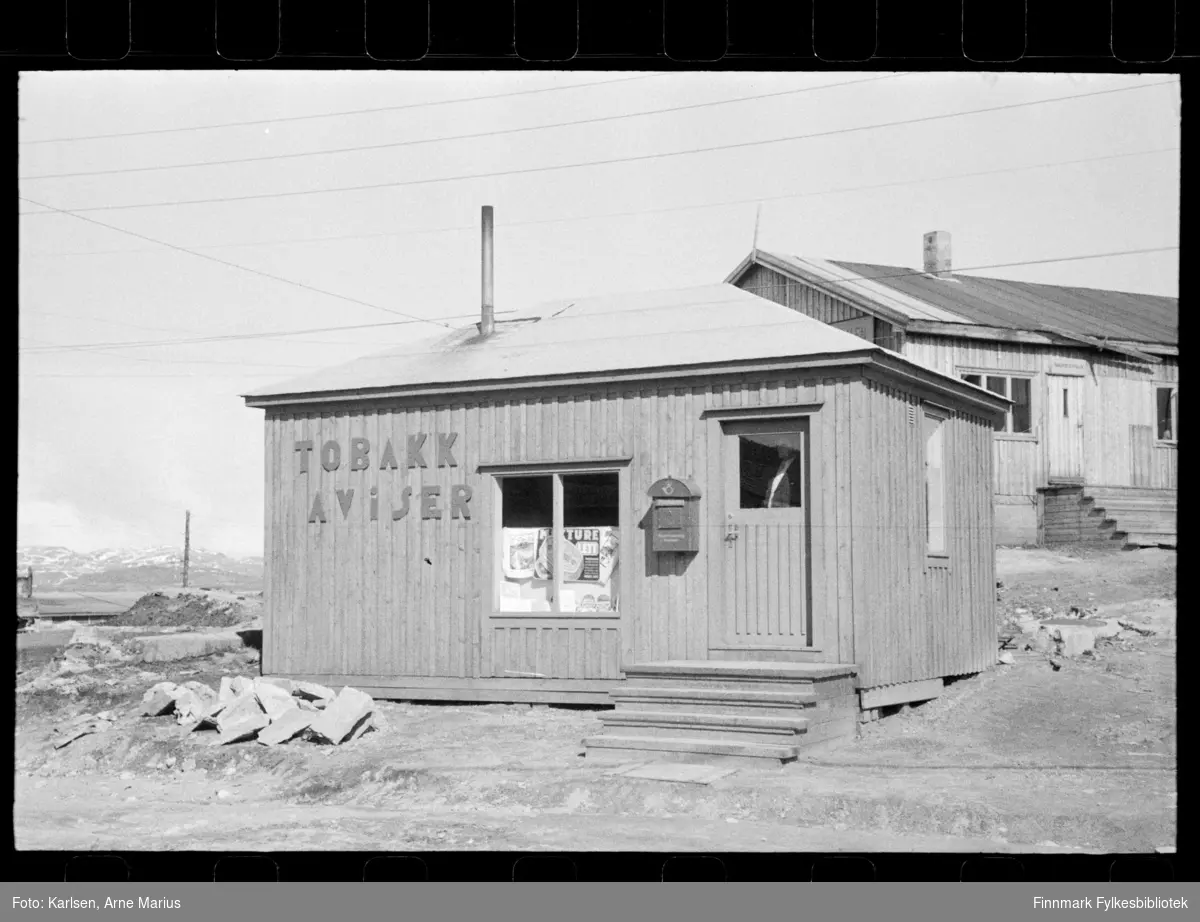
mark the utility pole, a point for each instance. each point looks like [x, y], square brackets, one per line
[187, 544]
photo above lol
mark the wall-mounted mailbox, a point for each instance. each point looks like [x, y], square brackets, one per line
[674, 516]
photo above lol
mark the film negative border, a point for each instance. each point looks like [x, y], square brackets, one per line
[594, 33]
[576, 867]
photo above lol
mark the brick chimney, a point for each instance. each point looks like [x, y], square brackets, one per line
[937, 253]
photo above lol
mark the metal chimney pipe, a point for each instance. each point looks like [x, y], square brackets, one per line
[487, 322]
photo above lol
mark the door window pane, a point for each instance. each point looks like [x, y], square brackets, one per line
[1022, 411]
[770, 470]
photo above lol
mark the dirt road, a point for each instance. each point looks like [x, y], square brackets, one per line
[1019, 758]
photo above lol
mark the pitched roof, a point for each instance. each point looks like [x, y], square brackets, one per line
[1093, 312]
[699, 326]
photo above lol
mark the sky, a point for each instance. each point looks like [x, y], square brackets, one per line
[124, 425]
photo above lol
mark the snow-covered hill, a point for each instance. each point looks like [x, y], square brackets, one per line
[116, 569]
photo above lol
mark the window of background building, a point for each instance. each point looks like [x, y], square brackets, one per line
[1018, 389]
[1167, 404]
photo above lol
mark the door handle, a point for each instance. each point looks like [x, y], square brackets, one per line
[731, 533]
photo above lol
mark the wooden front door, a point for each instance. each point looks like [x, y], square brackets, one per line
[766, 552]
[1064, 427]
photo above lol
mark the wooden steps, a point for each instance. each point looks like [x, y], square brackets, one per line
[1131, 516]
[1144, 539]
[709, 708]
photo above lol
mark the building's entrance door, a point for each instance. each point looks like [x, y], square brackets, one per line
[1064, 427]
[766, 553]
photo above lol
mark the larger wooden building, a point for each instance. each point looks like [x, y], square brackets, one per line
[735, 521]
[1089, 449]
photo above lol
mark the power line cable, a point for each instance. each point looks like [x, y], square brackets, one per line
[55, 347]
[224, 262]
[611, 160]
[176, 330]
[204, 375]
[227, 337]
[639, 212]
[906, 274]
[457, 137]
[319, 115]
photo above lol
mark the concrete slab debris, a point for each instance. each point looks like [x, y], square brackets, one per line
[365, 725]
[206, 695]
[1074, 640]
[167, 687]
[245, 727]
[342, 716]
[241, 684]
[158, 648]
[274, 700]
[313, 692]
[269, 709]
[158, 704]
[287, 727]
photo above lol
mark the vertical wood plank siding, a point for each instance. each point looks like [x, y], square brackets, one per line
[412, 598]
[769, 284]
[913, 621]
[1118, 394]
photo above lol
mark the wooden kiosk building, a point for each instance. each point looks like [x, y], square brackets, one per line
[767, 524]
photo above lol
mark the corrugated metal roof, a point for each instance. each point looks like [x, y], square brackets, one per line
[837, 278]
[1029, 306]
[679, 327]
[972, 299]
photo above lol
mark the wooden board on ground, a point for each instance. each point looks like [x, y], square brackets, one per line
[674, 771]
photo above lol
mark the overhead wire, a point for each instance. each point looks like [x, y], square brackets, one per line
[225, 262]
[851, 279]
[637, 212]
[637, 158]
[413, 142]
[319, 115]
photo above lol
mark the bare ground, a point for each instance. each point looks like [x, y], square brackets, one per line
[1019, 758]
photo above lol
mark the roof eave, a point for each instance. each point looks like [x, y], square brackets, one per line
[993, 405]
[436, 388]
[1046, 337]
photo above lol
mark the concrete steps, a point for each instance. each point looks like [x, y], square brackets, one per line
[753, 710]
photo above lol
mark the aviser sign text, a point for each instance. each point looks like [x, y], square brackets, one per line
[330, 457]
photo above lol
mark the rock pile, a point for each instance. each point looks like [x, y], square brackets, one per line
[268, 710]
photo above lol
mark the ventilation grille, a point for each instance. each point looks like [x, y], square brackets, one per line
[912, 415]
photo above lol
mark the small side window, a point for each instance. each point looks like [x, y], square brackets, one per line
[1167, 402]
[935, 486]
